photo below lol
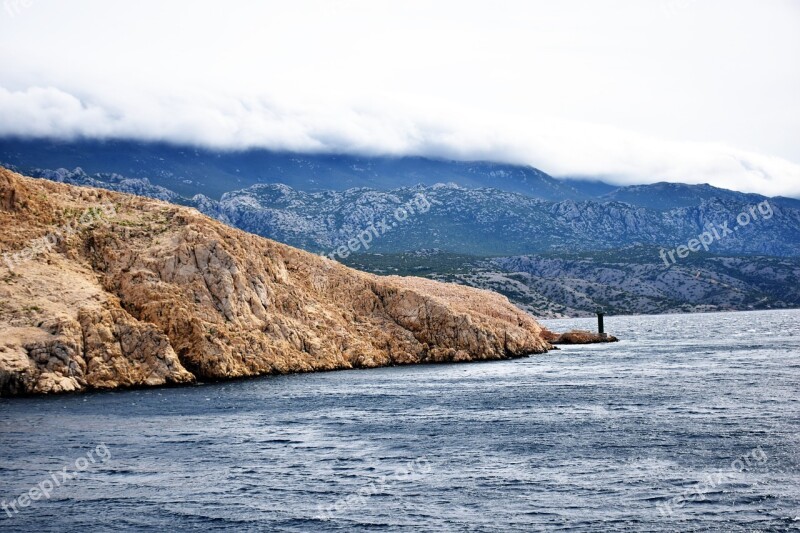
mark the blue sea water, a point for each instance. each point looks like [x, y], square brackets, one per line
[690, 423]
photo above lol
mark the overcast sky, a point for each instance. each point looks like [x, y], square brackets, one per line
[631, 91]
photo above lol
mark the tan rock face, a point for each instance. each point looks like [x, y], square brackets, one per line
[153, 294]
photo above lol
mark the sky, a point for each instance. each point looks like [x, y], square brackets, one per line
[629, 91]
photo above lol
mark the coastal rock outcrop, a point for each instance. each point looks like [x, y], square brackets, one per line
[577, 336]
[100, 290]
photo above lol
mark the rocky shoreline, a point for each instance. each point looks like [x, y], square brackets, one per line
[579, 337]
[102, 290]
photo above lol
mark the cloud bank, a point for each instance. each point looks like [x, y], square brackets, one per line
[614, 89]
[231, 122]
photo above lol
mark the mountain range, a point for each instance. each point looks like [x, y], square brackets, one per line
[193, 170]
[514, 229]
[631, 280]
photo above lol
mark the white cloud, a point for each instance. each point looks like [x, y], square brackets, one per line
[562, 148]
[629, 90]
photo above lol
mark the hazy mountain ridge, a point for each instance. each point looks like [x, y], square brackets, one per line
[190, 170]
[490, 222]
[473, 221]
[583, 284]
[627, 281]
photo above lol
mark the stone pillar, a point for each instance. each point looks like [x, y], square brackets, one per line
[600, 327]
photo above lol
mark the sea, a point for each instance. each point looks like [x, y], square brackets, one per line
[689, 423]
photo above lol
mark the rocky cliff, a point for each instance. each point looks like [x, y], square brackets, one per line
[100, 290]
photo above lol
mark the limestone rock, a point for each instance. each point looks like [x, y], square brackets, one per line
[150, 293]
[577, 336]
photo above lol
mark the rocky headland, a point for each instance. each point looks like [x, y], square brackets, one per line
[102, 290]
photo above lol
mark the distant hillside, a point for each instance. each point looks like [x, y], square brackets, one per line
[663, 196]
[628, 281]
[587, 254]
[189, 171]
[471, 221]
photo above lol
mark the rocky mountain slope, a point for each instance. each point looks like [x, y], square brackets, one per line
[101, 290]
[627, 281]
[578, 285]
[490, 221]
[481, 221]
[664, 196]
